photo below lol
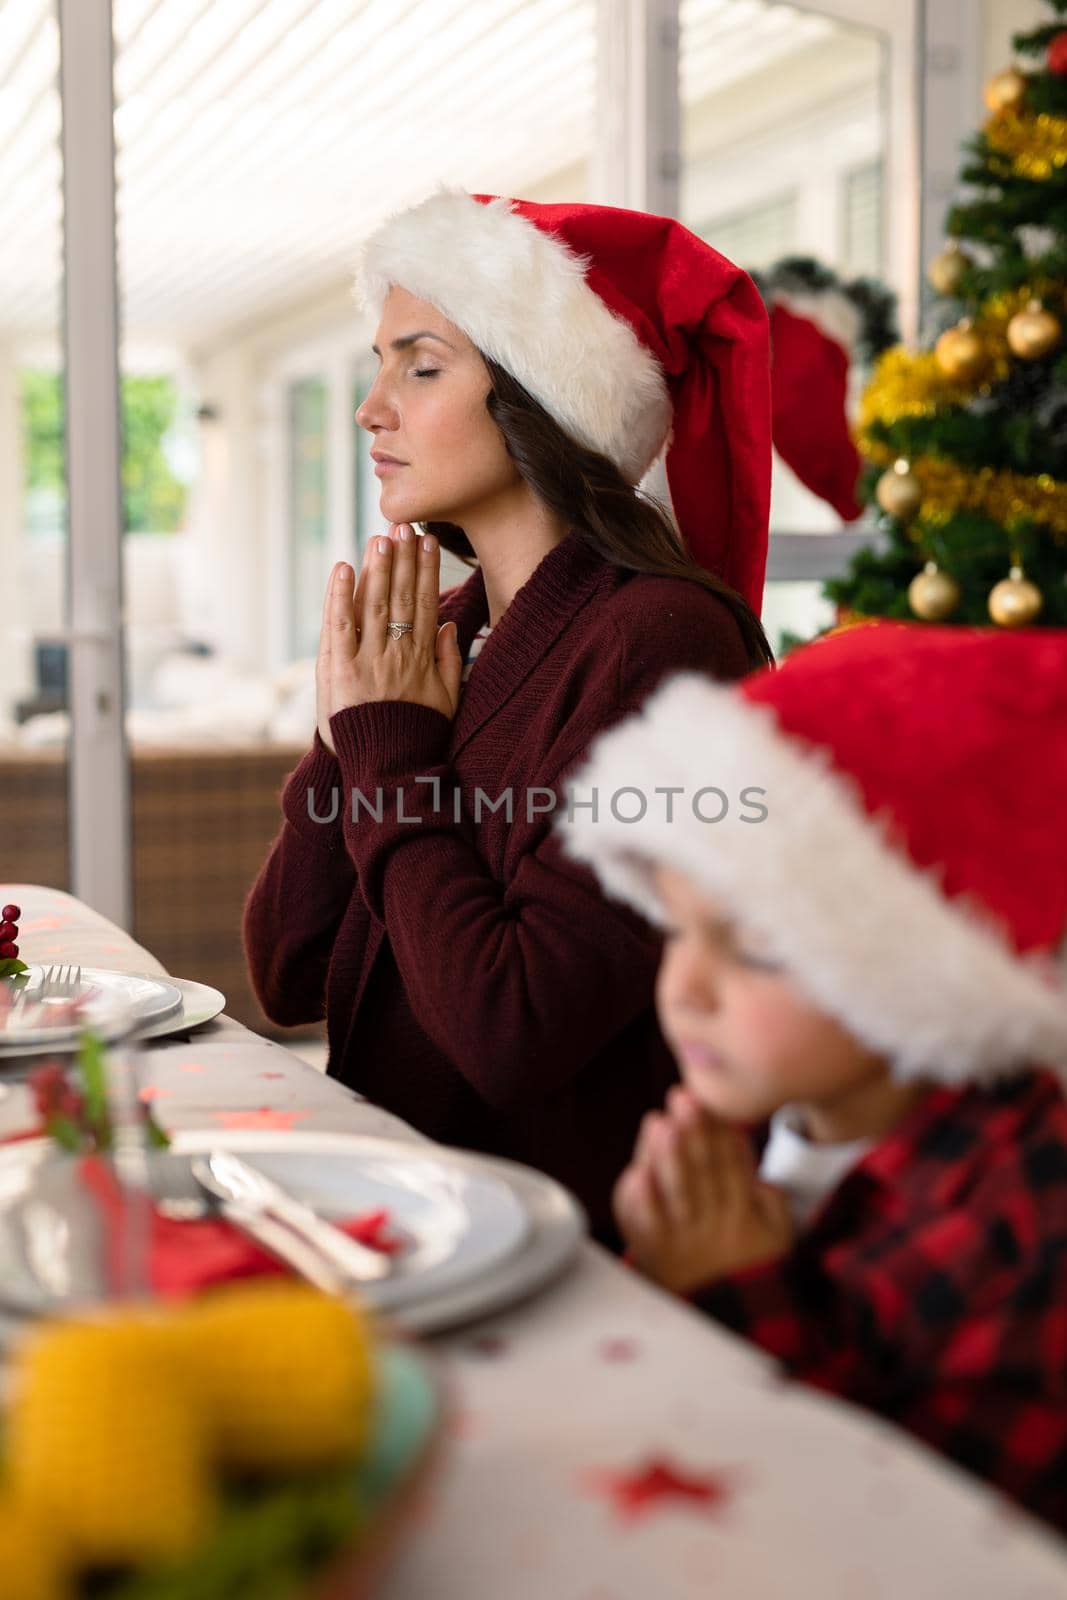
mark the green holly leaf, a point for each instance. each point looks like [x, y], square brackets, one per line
[65, 1133]
[157, 1139]
[12, 967]
[94, 1085]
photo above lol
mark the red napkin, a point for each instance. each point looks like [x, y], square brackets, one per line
[184, 1257]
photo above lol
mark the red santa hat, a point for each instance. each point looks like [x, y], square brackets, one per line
[910, 872]
[813, 337]
[629, 330]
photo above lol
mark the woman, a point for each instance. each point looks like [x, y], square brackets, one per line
[532, 361]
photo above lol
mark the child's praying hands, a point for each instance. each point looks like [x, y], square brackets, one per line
[691, 1206]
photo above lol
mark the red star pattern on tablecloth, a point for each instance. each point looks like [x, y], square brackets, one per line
[265, 1117]
[657, 1483]
[618, 1349]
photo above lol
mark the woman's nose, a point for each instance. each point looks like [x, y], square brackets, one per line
[374, 409]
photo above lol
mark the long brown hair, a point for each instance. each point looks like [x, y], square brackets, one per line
[624, 525]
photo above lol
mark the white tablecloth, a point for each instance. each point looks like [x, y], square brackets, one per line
[607, 1442]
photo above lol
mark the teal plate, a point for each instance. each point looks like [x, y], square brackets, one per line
[318, 1538]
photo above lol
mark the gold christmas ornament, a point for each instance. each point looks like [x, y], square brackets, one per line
[960, 353]
[932, 594]
[899, 491]
[946, 269]
[1034, 332]
[1015, 601]
[1005, 91]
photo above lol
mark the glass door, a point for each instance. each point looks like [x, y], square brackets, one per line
[34, 702]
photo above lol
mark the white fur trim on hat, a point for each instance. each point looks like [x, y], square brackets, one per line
[520, 295]
[832, 312]
[931, 983]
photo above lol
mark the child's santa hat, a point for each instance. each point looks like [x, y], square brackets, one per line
[911, 870]
[629, 330]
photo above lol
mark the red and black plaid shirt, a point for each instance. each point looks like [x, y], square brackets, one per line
[932, 1286]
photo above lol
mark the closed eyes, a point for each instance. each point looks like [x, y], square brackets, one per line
[732, 947]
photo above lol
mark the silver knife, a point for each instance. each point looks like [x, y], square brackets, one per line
[286, 1246]
[225, 1174]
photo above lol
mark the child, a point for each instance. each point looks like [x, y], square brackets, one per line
[867, 949]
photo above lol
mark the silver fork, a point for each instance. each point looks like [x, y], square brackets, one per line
[59, 983]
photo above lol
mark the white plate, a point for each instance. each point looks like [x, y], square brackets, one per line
[111, 998]
[491, 1231]
[200, 1003]
[556, 1224]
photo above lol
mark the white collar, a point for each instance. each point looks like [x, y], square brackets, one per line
[807, 1172]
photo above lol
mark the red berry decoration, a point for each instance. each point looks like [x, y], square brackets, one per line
[10, 965]
[1057, 55]
[48, 1085]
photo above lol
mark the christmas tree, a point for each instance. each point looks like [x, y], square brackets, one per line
[966, 441]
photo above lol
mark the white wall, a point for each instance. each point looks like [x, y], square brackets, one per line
[1002, 19]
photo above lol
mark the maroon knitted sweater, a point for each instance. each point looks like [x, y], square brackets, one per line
[474, 980]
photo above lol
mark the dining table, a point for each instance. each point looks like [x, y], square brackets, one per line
[603, 1440]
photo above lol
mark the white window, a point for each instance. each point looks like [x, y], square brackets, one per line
[862, 244]
[756, 237]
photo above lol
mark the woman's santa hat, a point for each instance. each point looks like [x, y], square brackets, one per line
[910, 873]
[630, 331]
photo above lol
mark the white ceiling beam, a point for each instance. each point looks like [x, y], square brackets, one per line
[149, 152]
[25, 22]
[388, 80]
[549, 95]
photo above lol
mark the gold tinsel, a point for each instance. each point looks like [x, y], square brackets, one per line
[1004, 497]
[906, 383]
[1036, 146]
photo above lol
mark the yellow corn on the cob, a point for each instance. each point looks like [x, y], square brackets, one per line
[107, 1444]
[33, 1562]
[285, 1374]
